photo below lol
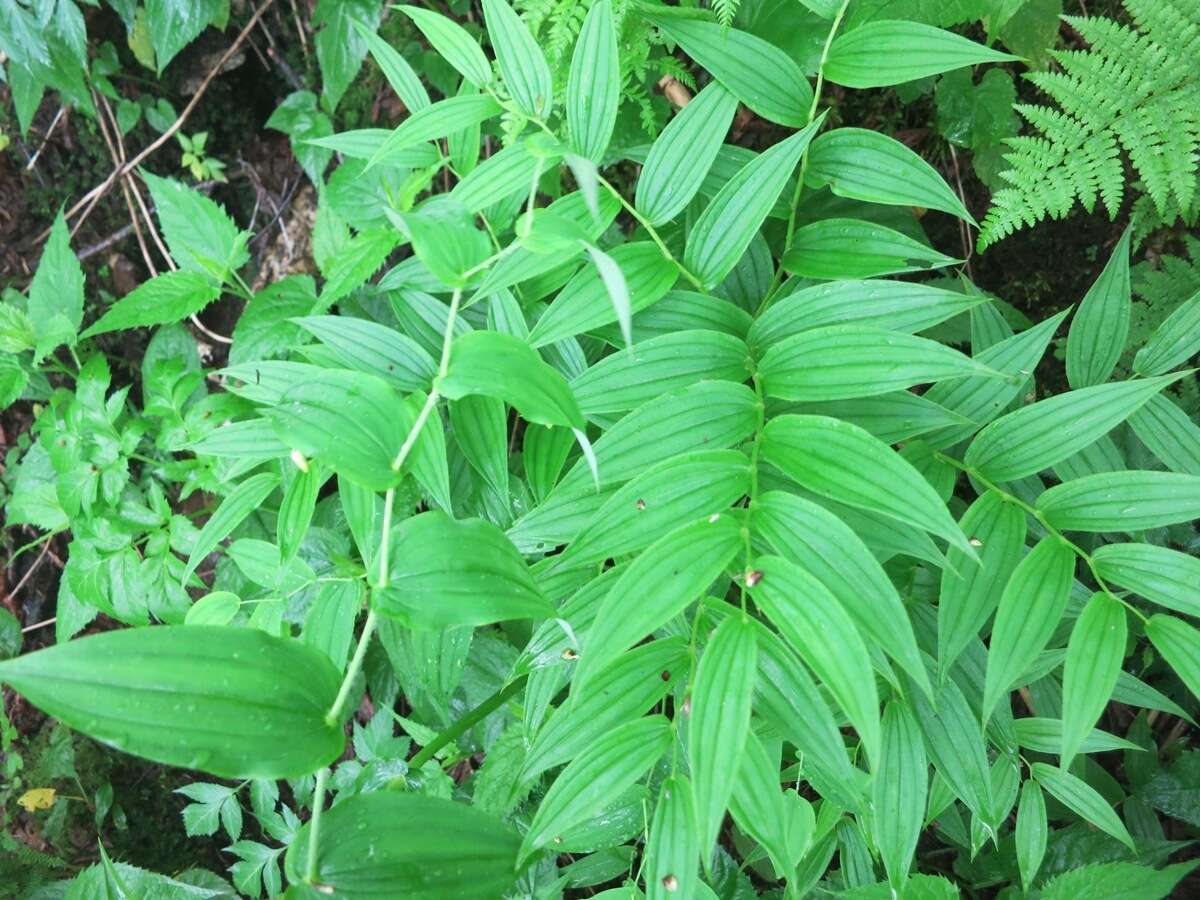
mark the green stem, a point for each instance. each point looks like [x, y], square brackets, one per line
[334, 716]
[654, 235]
[314, 827]
[466, 723]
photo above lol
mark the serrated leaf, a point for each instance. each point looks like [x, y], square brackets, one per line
[1101, 324]
[56, 292]
[170, 297]
[361, 258]
[1161, 575]
[1116, 881]
[888, 52]
[1082, 799]
[521, 61]
[594, 84]
[851, 248]
[1122, 501]
[452, 43]
[901, 785]
[200, 235]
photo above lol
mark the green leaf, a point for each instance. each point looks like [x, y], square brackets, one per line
[296, 511]
[1101, 324]
[599, 773]
[1116, 881]
[840, 362]
[901, 785]
[720, 718]
[522, 63]
[882, 53]
[1175, 340]
[583, 304]
[1046, 736]
[439, 570]
[867, 165]
[812, 620]
[969, 593]
[217, 608]
[1122, 501]
[397, 843]
[758, 73]
[200, 235]
[375, 349]
[663, 580]
[170, 297]
[361, 258]
[340, 47]
[1169, 433]
[240, 502]
[1031, 832]
[673, 846]
[813, 451]
[498, 177]
[56, 292]
[480, 426]
[446, 241]
[683, 153]
[234, 702]
[1161, 575]
[452, 43]
[1081, 799]
[443, 118]
[851, 248]
[1030, 608]
[1179, 643]
[364, 143]
[760, 808]
[1094, 655]
[395, 68]
[505, 367]
[810, 535]
[956, 748]
[329, 624]
[594, 84]
[300, 118]
[173, 24]
[732, 218]
[1037, 436]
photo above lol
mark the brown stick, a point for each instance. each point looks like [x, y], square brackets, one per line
[117, 151]
[88, 201]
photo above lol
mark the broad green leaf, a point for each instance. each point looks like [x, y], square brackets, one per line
[583, 304]
[505, 367]
[666, 496]
[594, 84]
[445, 239]
[673, 845]
[437, 121]
[814, 450]
[498, 177]
[663, 580]
[521, 61]
[1169, 433]
[241, 501]
[173, 24]
[1030, 608]
[200, 235]
[758, 73]
[624, 690]
[1031, 832]
[329, 624]
[1081, 799]
[840, 362]
[901, 785]
[682, 154]
[364, 143]
[852, 248]
[1161, 575]
[402, 843]
[1179, 643]
[594, 777]
[813, 621]
[234, 702]
[954, 740]
[1094, 655]
[1101, 324]
[887, 52]
[1117, 881]
[1036, 437]
[480, 426]
[170, 297]
[252, 439]
[720, 717]
[375, 349]
[452, 43]
[217, 608]
[898, 306]
[445, 572]
[623, 381]
[732, 218]
[395, 68]
[810, 535]
[759, 807]
[969, 593]
[1122, 501]
[867, 165]
[1046, 736]
[56, 292]
[1175, 340]
[340, 48]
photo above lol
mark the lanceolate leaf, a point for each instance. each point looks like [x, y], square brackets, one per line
[1030, 608]
[1031, 832]
[1179, 643]
[851, 248]
[453, 44]
[719, 719]
[682, 154]
[601, 772]
[1164, 576]
[1101, 324]
[392, 843]
[1094, 655]
[395, 68]
[1081, 799]
[673, 847]
[759, 807]
[1175, 339]
[521, 61]
[955, 743]
[1038, 436]
[437, 121]
[901, 784]
[756, 72]
[814, 623]
[1169, 433]
[235, 702]
[1122, 501]
[593, 87]
[731, 219]
[812, 451]
[240, 502]
[892, 52]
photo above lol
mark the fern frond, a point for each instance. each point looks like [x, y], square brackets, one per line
[725, 10]
[1135, 95]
